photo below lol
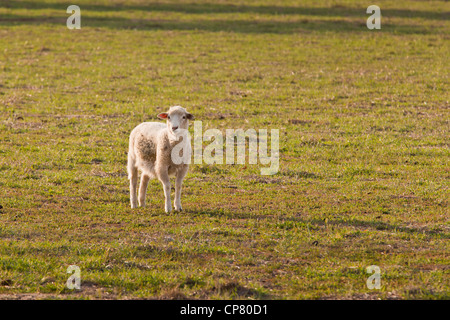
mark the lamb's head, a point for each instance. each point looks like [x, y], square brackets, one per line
[177, 119]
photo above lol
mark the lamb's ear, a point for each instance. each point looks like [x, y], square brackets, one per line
[189, 116]
[163, 115]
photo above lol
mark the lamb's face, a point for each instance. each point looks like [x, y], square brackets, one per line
[177, 119]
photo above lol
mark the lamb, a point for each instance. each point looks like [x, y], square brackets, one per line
[151, 149]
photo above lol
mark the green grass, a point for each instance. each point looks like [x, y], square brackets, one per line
[364, 149]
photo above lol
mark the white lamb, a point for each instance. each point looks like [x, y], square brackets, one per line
[150, 151]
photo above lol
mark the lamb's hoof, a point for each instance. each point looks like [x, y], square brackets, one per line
[179, 210]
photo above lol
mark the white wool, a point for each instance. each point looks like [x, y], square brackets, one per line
[150, 151]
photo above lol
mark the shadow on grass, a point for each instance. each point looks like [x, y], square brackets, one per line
[236, 26]
[333, 19]
[374, 225]
[378, 225]
[215, 8]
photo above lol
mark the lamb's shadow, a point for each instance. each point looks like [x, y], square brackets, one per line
[379, 225]
[222, 213]
[366, 224]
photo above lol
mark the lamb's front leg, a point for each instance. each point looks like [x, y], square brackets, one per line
[178, 183]
[164, 178]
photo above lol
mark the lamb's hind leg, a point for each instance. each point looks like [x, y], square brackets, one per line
[133, 176]
[178, 183]
[143, 189]
[163, 176]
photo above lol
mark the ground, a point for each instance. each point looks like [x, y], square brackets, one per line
[364, 150]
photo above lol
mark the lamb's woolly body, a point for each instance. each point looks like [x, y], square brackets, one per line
[148, 140]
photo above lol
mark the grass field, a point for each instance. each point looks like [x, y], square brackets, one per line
[364, 149]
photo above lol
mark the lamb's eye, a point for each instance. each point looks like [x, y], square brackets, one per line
[168, 117]
[184, 117]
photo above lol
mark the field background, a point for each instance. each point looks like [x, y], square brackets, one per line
[364, 146]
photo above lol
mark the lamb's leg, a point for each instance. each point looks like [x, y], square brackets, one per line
[143, 189]
[178, 182]
[164, 178]
[133, 176]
